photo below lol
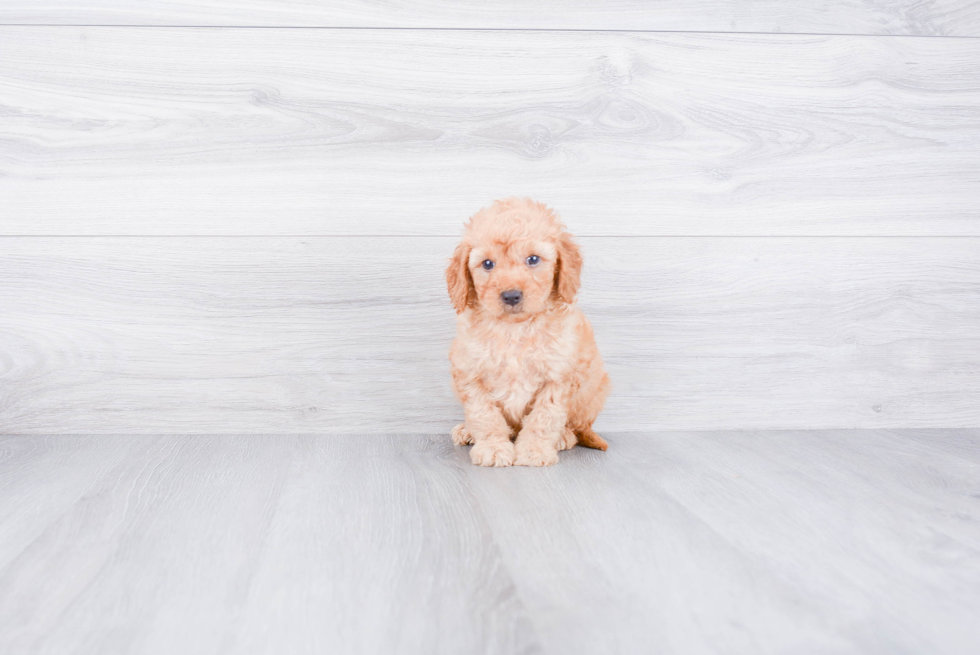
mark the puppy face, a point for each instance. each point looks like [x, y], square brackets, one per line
[513, 279]
[515, 260]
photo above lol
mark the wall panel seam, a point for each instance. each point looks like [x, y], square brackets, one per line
[482, 29]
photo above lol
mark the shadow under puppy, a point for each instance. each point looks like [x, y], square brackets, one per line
[524, 362]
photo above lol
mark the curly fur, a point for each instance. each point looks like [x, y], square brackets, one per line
[529, 376]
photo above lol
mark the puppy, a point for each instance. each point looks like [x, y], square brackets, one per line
[524, 362]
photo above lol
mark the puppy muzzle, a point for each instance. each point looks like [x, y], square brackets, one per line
[512, 299]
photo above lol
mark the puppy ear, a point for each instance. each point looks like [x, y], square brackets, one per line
[567, 277]
[458, 279]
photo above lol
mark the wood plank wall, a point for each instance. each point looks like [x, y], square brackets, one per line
[206, 227]
[907, 17]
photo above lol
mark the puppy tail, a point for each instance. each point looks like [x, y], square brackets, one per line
[588, 438]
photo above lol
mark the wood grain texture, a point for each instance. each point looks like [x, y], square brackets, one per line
[406, 132]
[189, 543]
[742, 542]
[963, 443]
[40, 479]
[808, 520]
[929, 17]
[267, 335]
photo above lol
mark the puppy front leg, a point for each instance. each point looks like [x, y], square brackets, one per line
[489, 431]
[543, 428]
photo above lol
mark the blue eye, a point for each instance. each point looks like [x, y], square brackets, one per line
[487, 264]
[533, 260]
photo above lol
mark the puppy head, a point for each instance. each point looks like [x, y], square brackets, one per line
[515, 260]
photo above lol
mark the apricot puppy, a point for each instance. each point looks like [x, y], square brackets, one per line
[524, 362]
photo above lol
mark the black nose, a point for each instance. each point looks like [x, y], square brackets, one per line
[512, 297]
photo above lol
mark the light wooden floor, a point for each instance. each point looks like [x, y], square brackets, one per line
[735, 542]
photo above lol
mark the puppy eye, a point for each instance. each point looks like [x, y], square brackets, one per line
[487, 264]
[533, 260]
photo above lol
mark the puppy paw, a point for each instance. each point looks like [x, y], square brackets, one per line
[535, 453]
[461, 437]
[492, 453]
[568, 440]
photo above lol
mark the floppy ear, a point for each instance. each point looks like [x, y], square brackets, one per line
[458, 279]
[569, 268]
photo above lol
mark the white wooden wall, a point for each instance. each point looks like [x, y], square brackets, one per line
[207, 227]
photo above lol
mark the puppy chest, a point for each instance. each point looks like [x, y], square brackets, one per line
[513, 374]
[512, 386]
